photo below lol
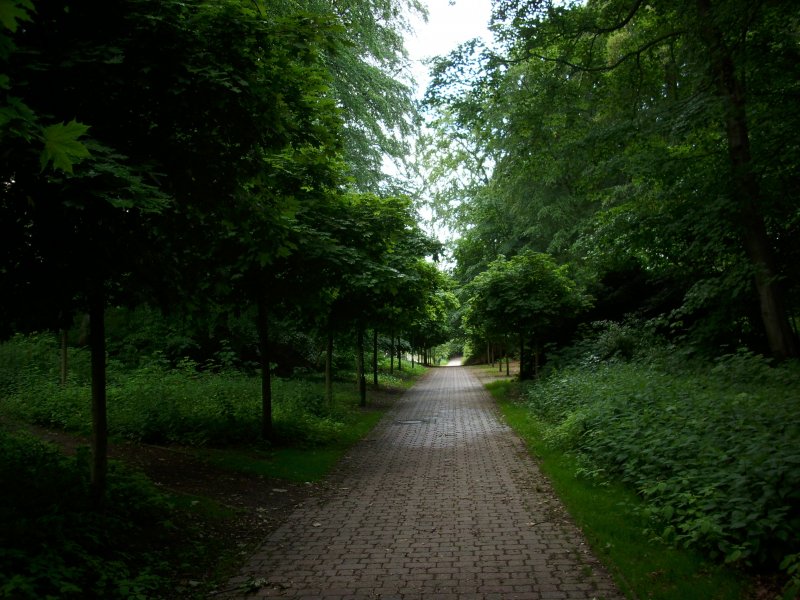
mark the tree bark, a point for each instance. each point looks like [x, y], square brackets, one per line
[362, 380]
[391, 355]
[97, 343]
[746, 189]
[375, 357]
[329, 367]
[523, 369]
[63, 366]
[266, 375]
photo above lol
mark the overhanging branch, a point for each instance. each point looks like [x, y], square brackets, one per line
[605, 68]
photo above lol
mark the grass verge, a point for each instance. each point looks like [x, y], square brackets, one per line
[642, 567]
[295, 463]
[149, 542]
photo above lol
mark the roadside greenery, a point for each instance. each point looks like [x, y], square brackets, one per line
[610, 515]
[708, 451]
[714, 452]
[53, 540]
[53, 545]
[183, 404]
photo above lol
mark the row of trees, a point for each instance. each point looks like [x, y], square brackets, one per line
[645, 144]
[209, 158]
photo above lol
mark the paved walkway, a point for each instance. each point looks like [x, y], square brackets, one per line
[441, 501]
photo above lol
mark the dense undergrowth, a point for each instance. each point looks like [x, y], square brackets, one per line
[155, 402]
[53, 544]
[712, 448]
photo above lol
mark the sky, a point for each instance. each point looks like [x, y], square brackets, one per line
[450, 22]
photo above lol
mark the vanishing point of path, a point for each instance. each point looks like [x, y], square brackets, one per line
[440, 501]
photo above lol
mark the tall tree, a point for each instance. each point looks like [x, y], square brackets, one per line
[614, 126]
[371, 82]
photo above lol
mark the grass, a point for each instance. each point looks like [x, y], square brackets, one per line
[608, 515]
[53, 545]
[298, 464]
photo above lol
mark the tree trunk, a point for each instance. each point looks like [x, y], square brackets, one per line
[97, 343]
[266, 375]
[391, 354]
[399, 356]
[746, 189]
[329, 367]
[362, 380]
[63, 366]
[375, 357]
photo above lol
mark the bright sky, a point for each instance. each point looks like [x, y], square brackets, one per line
[450, 22]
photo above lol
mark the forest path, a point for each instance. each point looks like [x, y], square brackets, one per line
[440, 501]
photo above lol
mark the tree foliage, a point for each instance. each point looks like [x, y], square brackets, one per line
[200, 157]
[636, 142]
[526, 297]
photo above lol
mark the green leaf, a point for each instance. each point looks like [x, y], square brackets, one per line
[13, 11]
[61, 145]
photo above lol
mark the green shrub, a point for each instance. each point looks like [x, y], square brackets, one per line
[53, 546]
[715, 451]
[29, 358]
[182, 405]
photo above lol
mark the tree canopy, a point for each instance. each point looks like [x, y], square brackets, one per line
[208, 159]
[642, 143]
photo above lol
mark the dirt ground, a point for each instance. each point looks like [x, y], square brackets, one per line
[258, 504]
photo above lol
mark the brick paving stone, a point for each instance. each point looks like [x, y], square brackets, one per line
[440, 501]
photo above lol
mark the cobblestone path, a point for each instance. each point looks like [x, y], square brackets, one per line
[440, 501]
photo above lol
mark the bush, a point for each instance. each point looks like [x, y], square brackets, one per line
[53, 546]
[28, 358]
[159, 404]
[714, 451]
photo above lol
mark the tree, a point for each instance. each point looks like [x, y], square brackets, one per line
[713, 41]
[369, 69]
[384, 243]
[527, 296]
[162, 207]
[614, 151]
